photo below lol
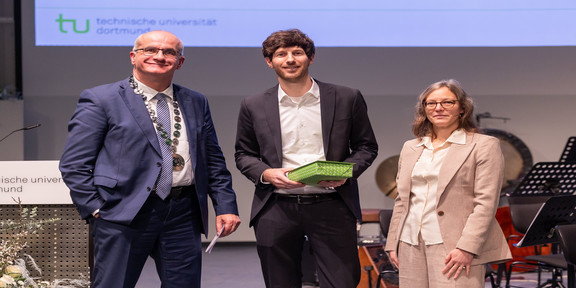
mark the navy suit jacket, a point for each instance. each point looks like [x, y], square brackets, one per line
[112, 156]
[346, 132]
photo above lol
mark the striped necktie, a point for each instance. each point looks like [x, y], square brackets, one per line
[164, 182]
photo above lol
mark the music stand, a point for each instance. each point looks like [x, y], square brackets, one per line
[548, 178]
[569, 153]
[558, 210]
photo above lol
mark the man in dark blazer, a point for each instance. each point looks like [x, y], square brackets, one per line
[113, 164]
[299, 121]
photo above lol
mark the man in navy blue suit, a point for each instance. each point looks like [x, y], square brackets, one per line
[296, 122]
[142, 182]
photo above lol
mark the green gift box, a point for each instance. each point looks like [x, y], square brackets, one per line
[317, 171]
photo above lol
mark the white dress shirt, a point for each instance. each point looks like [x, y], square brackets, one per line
[301, 129]
[422, 216]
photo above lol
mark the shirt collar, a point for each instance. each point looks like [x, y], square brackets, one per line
[457, 137]
[314, 91]
[150, 92]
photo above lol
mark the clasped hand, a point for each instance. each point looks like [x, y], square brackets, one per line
[278, 178]
[456, 261]
[230, 223]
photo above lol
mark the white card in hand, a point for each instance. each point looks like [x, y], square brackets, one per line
[213, 242]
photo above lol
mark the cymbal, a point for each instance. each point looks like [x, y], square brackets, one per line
[386, 176]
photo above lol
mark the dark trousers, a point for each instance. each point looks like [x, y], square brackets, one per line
[168, 230]
[331, 230]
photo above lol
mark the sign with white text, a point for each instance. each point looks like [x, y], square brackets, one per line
[33, 182]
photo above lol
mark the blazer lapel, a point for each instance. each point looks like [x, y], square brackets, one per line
[407, 163]
[453, 161]
[138, 109]
[327, 111]
[273, 118]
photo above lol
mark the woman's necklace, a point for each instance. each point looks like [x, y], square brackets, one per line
[177, 159]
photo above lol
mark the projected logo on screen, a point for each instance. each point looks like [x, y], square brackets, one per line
[65, 24]
[229, 23]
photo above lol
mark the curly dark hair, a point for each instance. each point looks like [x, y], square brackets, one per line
[287, 38]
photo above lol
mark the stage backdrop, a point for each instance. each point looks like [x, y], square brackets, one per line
[533, 86]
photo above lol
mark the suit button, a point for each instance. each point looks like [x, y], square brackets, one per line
[159, 164]
[440, 213]
[148, 189]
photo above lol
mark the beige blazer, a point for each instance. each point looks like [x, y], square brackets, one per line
[468, 194]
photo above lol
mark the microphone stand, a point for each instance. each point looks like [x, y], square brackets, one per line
[21, 129]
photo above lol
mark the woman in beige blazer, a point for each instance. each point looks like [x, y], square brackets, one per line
[443, 228]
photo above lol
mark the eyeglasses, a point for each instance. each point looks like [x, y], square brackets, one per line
[444, 104]
[152, 51]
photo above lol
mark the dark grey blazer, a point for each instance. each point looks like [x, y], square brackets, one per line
[346, 131]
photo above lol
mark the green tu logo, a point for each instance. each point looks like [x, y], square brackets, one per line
[62, 21]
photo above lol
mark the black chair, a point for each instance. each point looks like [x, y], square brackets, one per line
[386, 270]
[493, 275]
[523, 209]
[384, 216]
[567, 236]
